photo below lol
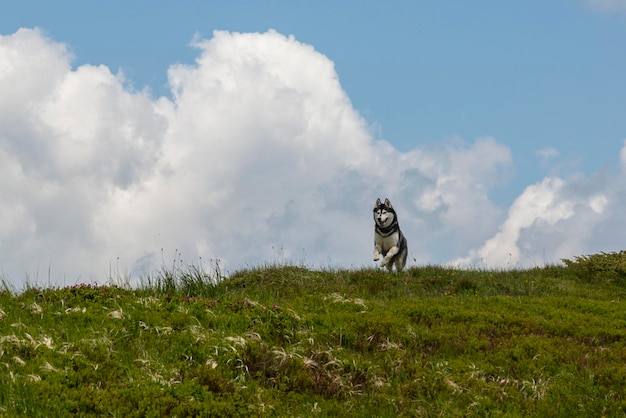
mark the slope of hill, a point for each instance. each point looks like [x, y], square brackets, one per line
[289, 341]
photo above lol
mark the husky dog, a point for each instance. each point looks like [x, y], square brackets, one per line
[388, 239]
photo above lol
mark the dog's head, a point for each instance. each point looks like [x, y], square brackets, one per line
[384, 215]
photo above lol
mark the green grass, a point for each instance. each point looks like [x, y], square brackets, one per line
[289, 341]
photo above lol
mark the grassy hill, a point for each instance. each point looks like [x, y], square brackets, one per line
[288, 341]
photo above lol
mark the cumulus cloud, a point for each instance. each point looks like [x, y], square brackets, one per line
[539, 205]
[257, 156]
[68, 140]
[555, 219]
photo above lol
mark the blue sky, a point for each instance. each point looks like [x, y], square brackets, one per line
[544, 80]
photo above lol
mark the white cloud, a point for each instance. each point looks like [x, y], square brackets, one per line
[69, 139]
[598, 203]
[622, 157]
[557, 218]
[548, 153]
[257, 156]
[607, 5]
[539, 205]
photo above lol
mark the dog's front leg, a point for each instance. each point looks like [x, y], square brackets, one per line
[377, 250]
[392, 251]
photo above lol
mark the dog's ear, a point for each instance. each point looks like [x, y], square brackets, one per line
[378, 202]
[388, 203]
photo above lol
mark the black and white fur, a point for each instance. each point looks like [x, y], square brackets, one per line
[388, 239]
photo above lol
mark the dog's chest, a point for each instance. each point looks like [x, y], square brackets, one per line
[387, 242]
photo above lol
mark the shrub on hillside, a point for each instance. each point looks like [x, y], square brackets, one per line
[604, 267]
